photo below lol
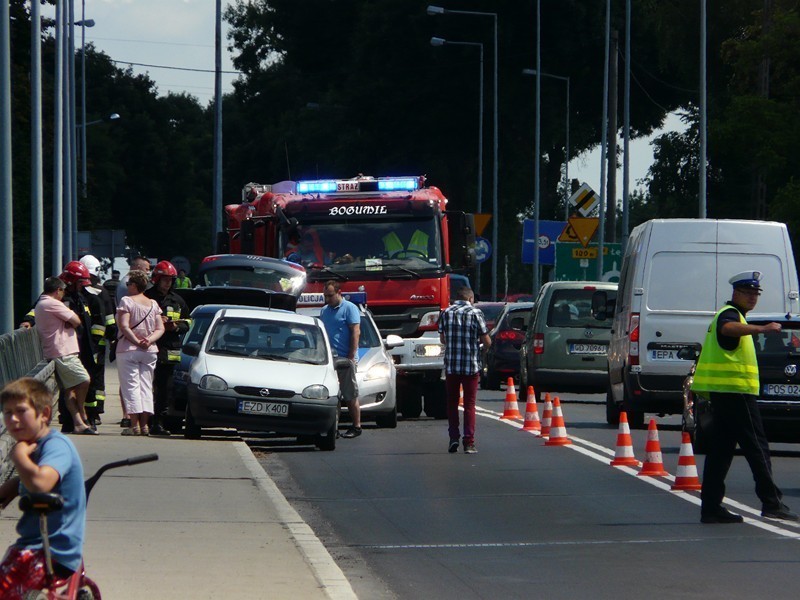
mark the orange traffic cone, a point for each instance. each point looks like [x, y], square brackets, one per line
[547, 415]
[511, 408]
[653, 463]
[558, 431]
[623, 455]
[686, 478]
[461, 395]
[531, 413]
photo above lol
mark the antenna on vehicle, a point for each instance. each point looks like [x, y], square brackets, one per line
[288, 169]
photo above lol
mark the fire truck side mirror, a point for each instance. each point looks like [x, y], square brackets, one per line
[462, 239]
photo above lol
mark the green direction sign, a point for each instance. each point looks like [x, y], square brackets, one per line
[576, 263]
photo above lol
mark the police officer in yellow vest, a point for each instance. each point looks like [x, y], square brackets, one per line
[727, 374]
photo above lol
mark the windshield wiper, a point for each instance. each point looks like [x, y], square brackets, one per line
[332, 272]
[414, 274]
[227, 352]
[271, 356]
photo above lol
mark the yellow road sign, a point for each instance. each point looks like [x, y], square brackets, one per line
[583, 229]
[481, 221]
[584, 253]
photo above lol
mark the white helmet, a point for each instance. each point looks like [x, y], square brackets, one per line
[92, 264]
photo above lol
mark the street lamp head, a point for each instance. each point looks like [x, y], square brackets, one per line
[529, 71]
[85, 23]
[113, 116]
[435, 10]
[437, 41]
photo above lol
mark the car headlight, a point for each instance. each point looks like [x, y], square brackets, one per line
[379, 371]
[429, 350]
[213, 383]
[316, 392]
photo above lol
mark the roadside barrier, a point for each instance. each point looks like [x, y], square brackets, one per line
[531, 422]
[511, 408]
[686, 478]
[547, 415]
[558, 431]
[623, 455]
[653, 463]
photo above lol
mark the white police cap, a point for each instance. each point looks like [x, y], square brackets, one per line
[746, 279]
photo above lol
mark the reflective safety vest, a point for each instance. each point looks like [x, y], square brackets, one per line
[392, 243]
[419, 243]
[720, 370]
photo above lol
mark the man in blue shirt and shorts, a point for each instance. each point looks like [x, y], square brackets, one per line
[342, 321]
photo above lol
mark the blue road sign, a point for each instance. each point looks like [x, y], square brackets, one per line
[548, 234]
[483, 249]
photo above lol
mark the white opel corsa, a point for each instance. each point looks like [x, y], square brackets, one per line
[266, 370]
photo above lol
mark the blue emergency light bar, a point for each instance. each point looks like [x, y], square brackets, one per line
[350, 186]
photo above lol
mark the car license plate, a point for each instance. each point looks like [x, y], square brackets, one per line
[665, 355]
[258, 407]
[587, 349]
[782, 389]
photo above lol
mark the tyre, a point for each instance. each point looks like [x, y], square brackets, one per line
[612, 408]
[492, 380]
[436, 400]
[191, 431]
[172, 424]
[327, 442]
[409, 399]
[85, 594]
[387, 420]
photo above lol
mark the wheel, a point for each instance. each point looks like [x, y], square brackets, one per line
[191, 431]
[412, 403]
[327, 442]
[492, 380]
[702, 414]
[85, 593]
[387, 420]
[612, 408]
[436, 400]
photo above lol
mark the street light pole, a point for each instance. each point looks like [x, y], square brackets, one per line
[703, 126]
[84, 23]
[438, 10]
[6, 216]
[37, 169]
[436, 41]
[603, 147]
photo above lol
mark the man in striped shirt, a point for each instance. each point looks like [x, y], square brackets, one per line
[462, 329]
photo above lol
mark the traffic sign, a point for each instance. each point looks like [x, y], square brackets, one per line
[548, 232]
[483, 249]
[582, 230]
[481, 221]
[584, 200]
[576, 263]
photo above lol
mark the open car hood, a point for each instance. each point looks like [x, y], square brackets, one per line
[239, 296]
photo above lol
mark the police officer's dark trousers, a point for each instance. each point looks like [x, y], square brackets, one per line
[736, 420]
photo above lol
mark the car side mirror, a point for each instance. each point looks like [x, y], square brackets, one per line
[192, 348]
[393, 341]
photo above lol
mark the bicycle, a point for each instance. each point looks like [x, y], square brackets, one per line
[77, 586]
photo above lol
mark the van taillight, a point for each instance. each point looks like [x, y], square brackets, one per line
[633, 340]
[538, 343]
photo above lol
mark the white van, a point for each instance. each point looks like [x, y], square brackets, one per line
[674, 277]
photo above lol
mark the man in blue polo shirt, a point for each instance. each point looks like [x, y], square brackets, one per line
[343, 323]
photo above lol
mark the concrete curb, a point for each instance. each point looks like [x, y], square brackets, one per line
[325, 569]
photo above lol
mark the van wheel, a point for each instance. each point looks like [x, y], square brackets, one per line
[635, 419]
[612, 409]
[699, 442]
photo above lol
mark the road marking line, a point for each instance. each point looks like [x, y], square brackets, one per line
[587, 451]
[522, 544]
[325, 569]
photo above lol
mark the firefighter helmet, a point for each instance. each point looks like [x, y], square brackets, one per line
[92, 264]
[163, 269]
[75, 272]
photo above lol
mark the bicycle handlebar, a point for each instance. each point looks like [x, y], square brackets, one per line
[127, 462]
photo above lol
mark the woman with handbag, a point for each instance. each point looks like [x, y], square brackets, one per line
[140, 326]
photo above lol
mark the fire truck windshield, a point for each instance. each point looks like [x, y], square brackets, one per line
[370, 245]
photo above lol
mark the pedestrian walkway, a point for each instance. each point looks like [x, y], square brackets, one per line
[204, 521]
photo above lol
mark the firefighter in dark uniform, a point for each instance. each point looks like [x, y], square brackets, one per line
[175, 314]
[98, 386]
[727, 374]
[87, 306]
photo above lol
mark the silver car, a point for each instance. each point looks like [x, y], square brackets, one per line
[262, 369]
[375, 372]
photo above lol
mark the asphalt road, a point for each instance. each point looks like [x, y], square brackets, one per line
[405, 519]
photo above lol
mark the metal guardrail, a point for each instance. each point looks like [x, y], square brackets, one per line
[21, 355]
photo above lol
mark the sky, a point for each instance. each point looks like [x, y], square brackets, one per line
[173, 41]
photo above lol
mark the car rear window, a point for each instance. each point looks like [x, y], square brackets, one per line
[772, 344]
[270, 340]
[573, 308]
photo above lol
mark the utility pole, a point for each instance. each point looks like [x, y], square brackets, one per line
[760, 183]
[6, 213]
[217, 203]
[611, 198]
[37, 175]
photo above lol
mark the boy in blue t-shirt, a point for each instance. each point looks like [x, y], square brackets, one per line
[45, 461]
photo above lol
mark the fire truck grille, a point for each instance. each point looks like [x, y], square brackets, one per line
[402, 321]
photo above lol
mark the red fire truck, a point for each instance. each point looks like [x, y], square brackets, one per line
[390, 237]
